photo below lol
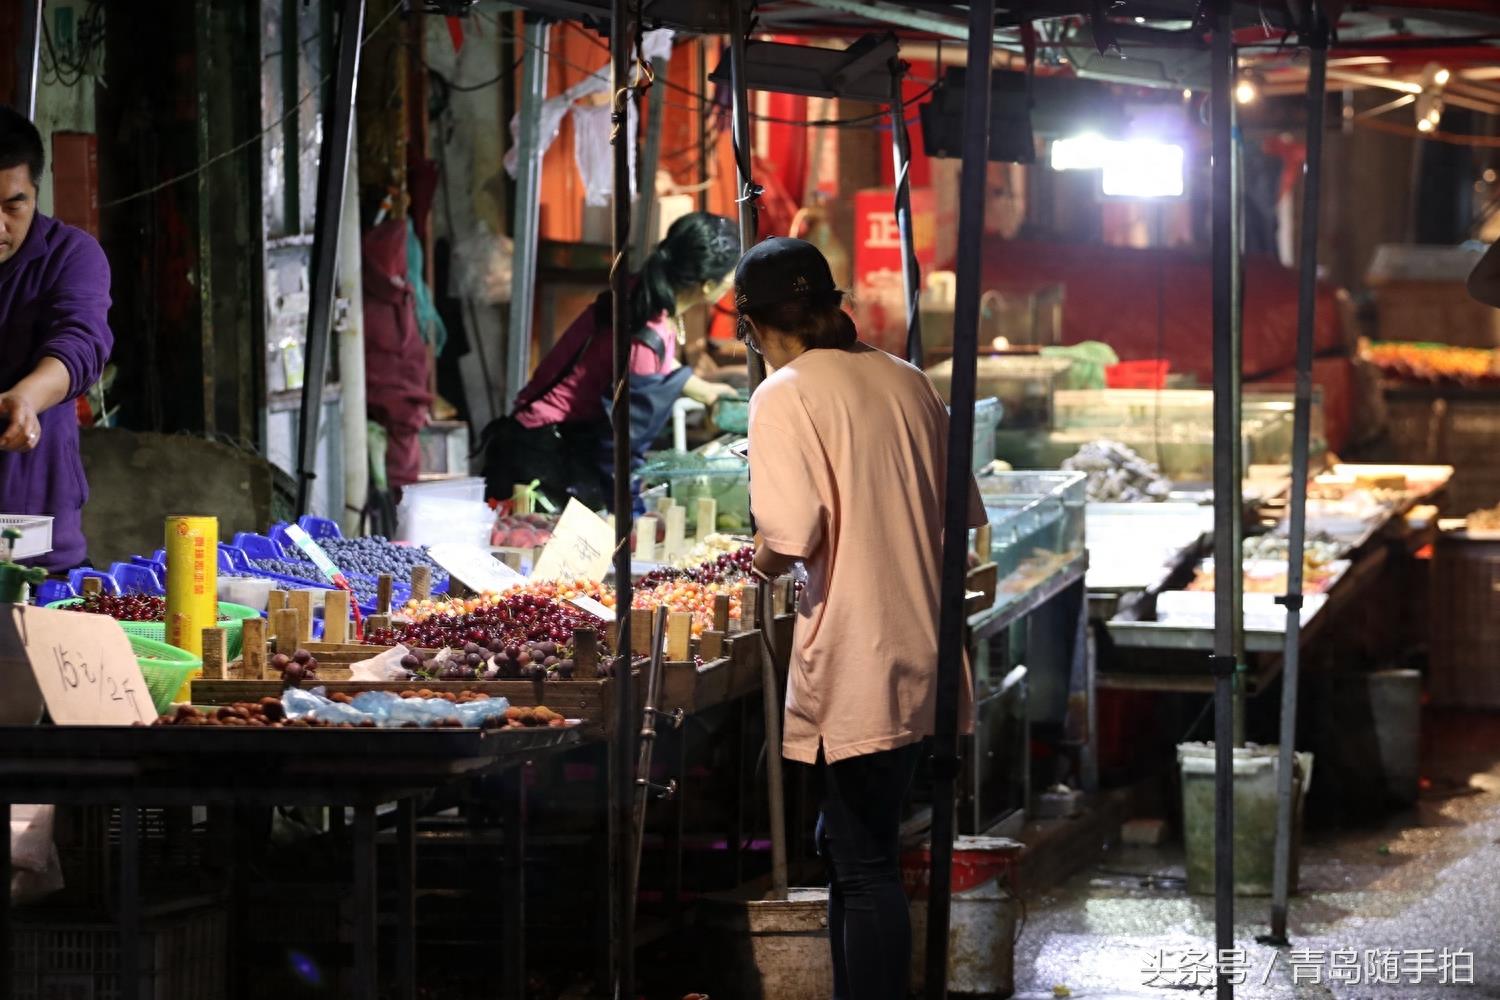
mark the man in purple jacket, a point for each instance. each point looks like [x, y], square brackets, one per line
[54, 341]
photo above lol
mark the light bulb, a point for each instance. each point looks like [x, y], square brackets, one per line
[1441, 77]
[1245, 92]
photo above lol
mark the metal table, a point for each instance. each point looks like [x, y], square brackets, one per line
[134, 767]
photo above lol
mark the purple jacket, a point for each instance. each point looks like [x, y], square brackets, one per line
[54, 301]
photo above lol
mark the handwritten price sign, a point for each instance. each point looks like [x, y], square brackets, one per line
[83, 665]
[581, 546]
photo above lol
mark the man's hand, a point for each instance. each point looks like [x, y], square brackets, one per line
[773, 564]
[22, 429]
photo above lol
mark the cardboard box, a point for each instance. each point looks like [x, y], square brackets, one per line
[1435, 311]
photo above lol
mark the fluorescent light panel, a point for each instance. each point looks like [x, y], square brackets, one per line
[1132, 168]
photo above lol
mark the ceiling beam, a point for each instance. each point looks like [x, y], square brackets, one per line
[905, 17]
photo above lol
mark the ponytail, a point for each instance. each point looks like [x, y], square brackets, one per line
[698, 249]
[652, 295]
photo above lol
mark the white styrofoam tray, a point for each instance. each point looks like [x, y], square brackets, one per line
[36, 534]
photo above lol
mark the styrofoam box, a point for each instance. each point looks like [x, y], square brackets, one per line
[36, 534]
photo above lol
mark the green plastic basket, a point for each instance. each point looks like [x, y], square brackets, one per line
[166, 669]
[157, 631]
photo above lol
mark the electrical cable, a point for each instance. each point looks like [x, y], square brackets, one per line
[874, 121]
[189, 174]
[468, 88]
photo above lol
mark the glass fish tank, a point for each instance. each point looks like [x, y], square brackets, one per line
[1036, 526]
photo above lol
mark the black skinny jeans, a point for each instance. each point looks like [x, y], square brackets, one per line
[858, 836]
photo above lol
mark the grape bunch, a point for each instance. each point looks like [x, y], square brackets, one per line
[726, 568]
[300, 666]
[537, 661]
[288, 567]
[372, 555]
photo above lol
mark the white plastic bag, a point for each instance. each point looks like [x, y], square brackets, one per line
[483, 264]
[385, 667]
[37, 872]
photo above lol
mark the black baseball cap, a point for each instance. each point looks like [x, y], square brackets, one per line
[778, 269]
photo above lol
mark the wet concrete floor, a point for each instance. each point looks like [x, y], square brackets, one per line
[1408, 908]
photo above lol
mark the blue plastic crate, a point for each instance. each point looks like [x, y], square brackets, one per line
[319, 527]
[135, 579]
[50, 591]
[258, 546]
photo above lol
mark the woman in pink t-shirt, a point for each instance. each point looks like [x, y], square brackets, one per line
[559, 432]
[848, 470]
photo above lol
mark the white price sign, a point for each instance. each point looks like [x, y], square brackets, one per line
[580, 548]
[474, 567]
[82, 663]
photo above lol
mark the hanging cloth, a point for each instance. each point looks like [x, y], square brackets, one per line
[429, 323]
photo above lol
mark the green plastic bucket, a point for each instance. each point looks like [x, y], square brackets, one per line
[166, 669]
[232, 616]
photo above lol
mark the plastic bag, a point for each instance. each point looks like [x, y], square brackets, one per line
[483, 265]
[593, 154]
[37, 872]
[385, 667]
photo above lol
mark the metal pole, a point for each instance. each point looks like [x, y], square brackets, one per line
[30, 53]
[1297, 516]
[649, 715]
[528, 212]
[749, 193]
[770, 682]
[622, 773]
[646, 205]
[1226, 478]
[1234, 570]
[333, 172]
[911, 271]
[951, 622]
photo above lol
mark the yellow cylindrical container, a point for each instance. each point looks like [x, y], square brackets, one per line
[192, 583]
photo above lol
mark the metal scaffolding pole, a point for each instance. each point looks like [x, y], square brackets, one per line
[911, 272]
[952, 623]
[333, 174]
[1226, 481]
[646, 207]
[1297, 516]
[770, 682]
[622, 750]
[528, 211]
[29, 53]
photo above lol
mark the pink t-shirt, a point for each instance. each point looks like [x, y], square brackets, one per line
[848, 453]
[579, 395]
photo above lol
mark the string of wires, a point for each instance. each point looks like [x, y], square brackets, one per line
[72, 63]
[240, 147]
[877, 120]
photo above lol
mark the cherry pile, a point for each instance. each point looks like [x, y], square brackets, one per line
[126, 607]
[513, 621]
[726, 568]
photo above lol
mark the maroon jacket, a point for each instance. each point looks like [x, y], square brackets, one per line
[396, 374]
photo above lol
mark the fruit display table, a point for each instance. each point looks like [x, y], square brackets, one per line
[134, 767]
